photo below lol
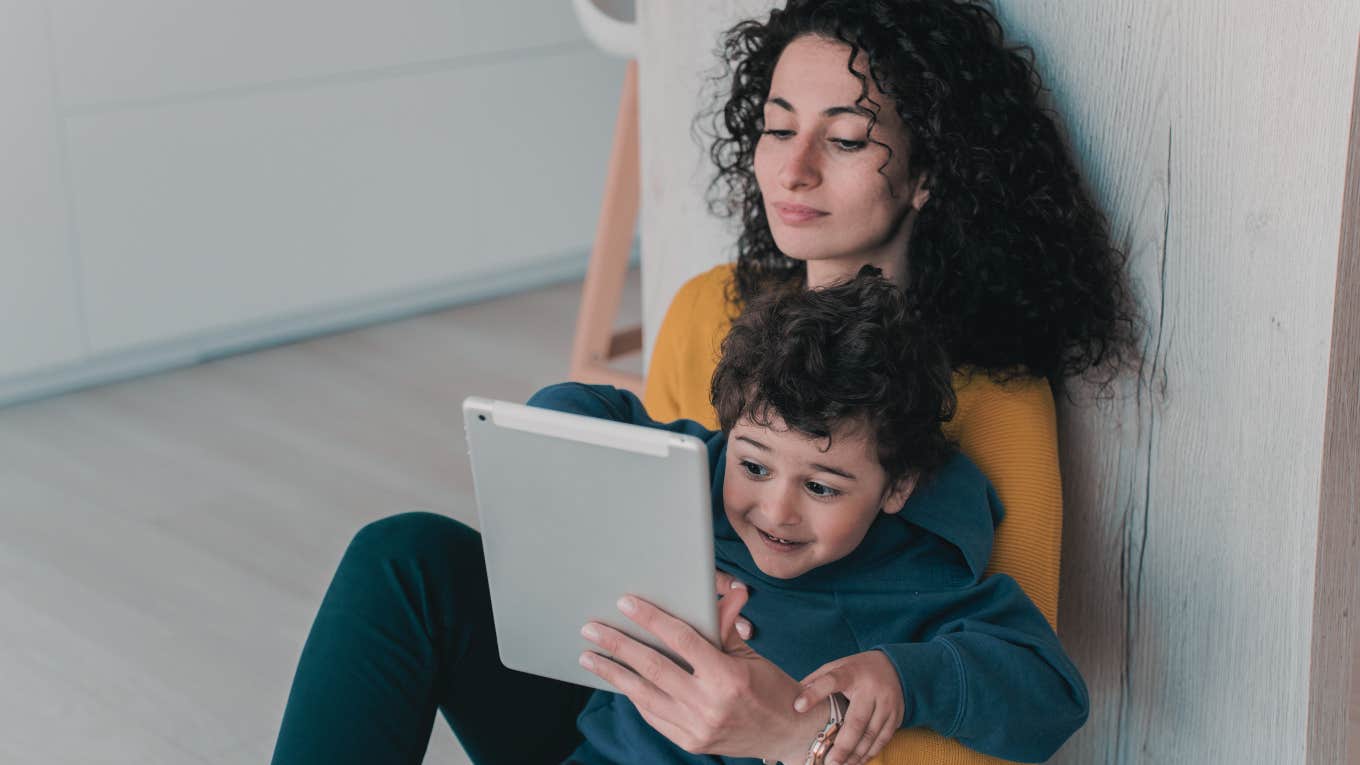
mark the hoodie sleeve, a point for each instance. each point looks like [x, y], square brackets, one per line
[608, 403]
[992, 675]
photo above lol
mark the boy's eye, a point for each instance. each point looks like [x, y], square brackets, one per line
[821, 489]
[753, 469]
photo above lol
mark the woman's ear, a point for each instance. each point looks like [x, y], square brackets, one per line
[896, 495]
[921, 194]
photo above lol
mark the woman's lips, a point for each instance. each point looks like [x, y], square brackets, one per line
[795, 214]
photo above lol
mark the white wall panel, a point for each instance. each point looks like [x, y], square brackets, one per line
[202, 214]
[114, 51]
[39, 316]
[679, 237]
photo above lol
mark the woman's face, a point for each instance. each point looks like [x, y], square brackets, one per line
[824, 194]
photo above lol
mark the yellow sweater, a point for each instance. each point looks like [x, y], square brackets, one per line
[1009, 430]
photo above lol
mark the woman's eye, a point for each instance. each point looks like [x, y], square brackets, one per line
[821, 489]
[845, 144]
[752, 468]
[778, 134]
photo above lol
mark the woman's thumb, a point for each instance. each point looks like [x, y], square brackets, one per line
[729, 608]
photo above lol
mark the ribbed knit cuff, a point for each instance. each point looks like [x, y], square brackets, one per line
[932, 684]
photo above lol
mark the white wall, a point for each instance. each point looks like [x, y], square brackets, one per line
[183, 179]
[1210, 546]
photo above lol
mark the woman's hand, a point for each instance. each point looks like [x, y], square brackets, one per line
[725, 584]
[735, 703]
[871, 683]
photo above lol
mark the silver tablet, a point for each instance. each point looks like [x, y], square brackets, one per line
[575, 512]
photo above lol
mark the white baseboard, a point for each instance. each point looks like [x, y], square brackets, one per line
[207, 346]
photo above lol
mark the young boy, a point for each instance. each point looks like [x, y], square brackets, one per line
[858, 531]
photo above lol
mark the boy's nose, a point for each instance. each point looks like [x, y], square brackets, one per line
[782, 507]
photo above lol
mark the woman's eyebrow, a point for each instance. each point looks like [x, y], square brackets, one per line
[858, 111]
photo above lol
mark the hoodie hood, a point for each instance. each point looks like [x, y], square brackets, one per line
[942, 537]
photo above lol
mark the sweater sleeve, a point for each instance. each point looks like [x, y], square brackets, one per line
[606, 402]
[1010, 431]
[992, 675]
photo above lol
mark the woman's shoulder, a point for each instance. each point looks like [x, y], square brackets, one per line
[977, 389]
[1014, 404]
[708, 292]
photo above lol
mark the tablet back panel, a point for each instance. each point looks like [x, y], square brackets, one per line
[576, 512]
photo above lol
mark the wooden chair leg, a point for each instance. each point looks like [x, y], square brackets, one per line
[596, 342]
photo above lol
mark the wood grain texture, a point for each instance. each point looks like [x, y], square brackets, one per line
[1215, 139]
[1338, 559]
[166, 541]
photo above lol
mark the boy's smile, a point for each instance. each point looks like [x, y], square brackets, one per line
[798, 501]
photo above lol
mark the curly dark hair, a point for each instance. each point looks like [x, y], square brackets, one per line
[1011, 264]
[855, 353]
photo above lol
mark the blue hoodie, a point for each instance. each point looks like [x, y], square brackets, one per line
[977, 661]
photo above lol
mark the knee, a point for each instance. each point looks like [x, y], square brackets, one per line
[415, 535]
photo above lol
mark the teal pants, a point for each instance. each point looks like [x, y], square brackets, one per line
[404, 630]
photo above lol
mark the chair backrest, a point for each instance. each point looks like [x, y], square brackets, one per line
[610, 24]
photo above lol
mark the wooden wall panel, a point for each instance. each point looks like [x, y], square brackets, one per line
[1215, 137]
[1335, 637]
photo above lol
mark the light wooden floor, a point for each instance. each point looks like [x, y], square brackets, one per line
[165, 541]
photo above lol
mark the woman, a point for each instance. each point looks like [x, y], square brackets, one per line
[902, 134]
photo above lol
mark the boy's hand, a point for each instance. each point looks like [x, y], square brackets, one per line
[870, 681]
[725, 584]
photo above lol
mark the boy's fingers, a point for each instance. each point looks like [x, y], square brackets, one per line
[867, 746]
[884, 737]
[817, 686]
[852, 730]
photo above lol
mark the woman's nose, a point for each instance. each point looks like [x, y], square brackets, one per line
[800, 165]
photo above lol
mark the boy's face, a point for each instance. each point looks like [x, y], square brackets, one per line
[797, 504]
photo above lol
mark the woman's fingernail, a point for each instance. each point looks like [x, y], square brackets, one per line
[738, 585]
[800, 705]
[743, 629]
[590, 632]
[587, 661]
[627, 604]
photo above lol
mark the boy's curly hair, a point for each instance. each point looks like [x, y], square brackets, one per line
[1011, 263]
[851, 353]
